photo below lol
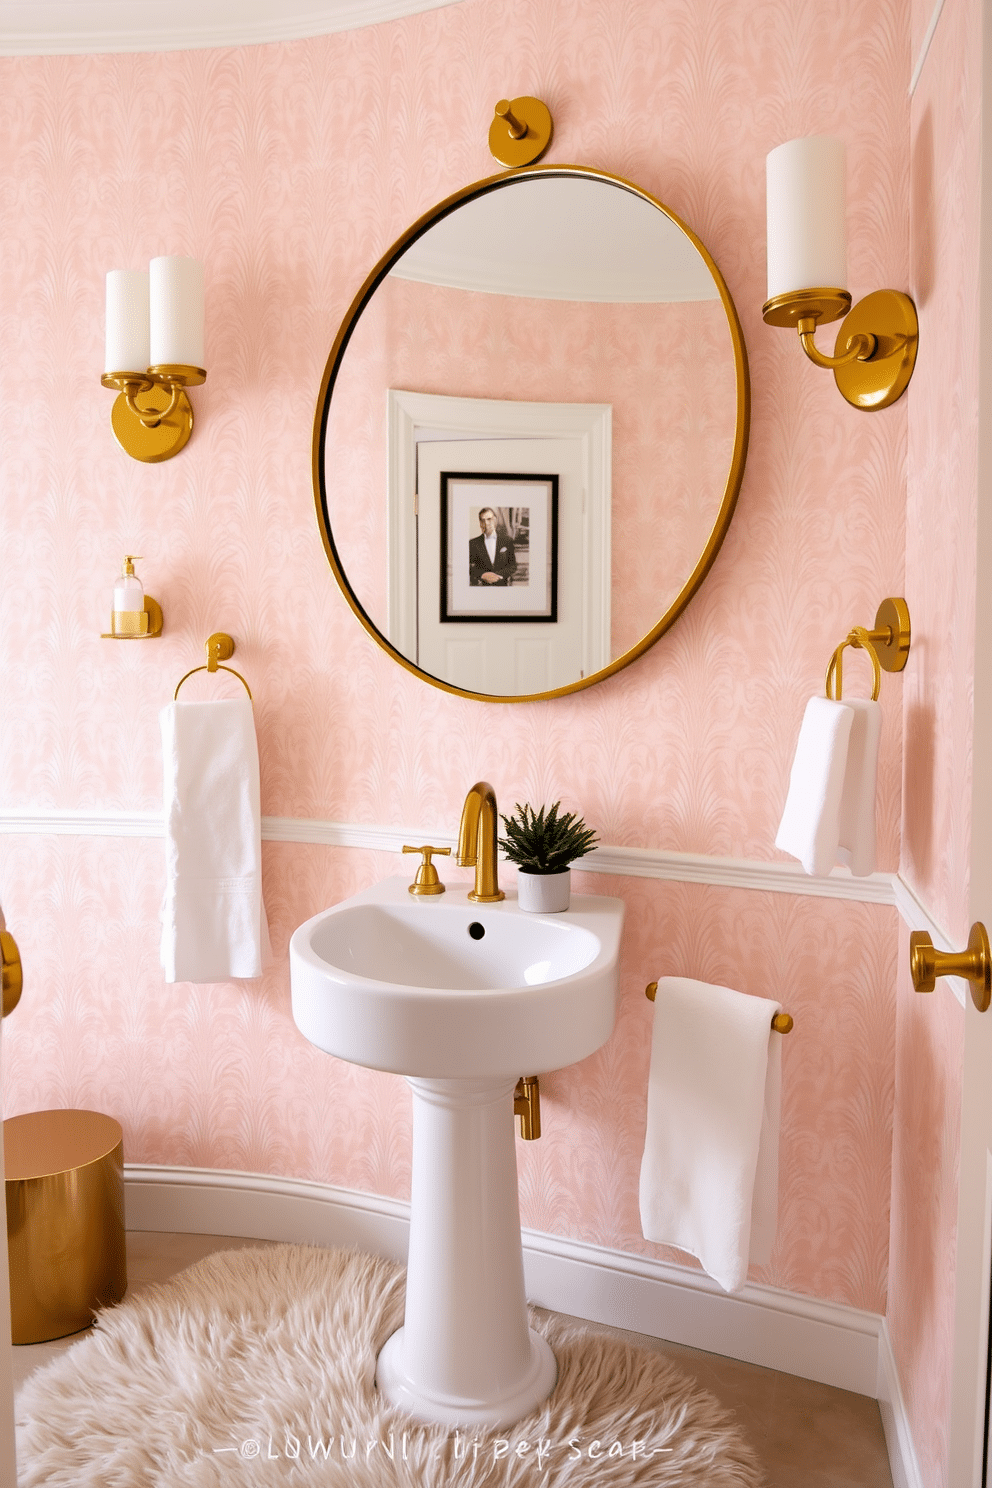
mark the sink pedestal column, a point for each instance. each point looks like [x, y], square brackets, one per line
[465, 1355]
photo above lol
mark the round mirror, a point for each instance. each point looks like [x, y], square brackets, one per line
[531, 433]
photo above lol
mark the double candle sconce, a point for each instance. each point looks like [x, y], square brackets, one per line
[154, 351]
[875, 353]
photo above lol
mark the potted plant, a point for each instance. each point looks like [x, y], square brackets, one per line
[543, 844]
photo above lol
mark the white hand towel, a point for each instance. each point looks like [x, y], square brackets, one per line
[213, 919]
[810, 825]
[709, 1175]
[856, 846]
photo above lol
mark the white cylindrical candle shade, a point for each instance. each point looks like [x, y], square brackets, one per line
[127, 346]
[176, 312]
[807, 230]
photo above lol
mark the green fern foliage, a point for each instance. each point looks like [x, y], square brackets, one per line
[543, 841]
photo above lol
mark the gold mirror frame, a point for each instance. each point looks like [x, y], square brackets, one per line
[738, 458]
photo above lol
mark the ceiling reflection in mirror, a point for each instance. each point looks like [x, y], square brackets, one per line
[550, 323]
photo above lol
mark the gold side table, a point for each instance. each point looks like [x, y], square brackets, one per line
[65, 1220]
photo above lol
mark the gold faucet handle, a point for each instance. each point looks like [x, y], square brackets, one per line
[427, 881]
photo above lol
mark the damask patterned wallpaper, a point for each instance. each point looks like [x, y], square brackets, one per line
[289, 169]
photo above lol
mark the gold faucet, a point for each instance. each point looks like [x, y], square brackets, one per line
[477, 842]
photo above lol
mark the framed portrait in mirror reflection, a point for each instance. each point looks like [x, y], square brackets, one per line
[499, 548]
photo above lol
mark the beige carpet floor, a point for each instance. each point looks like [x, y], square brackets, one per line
[256, 1367]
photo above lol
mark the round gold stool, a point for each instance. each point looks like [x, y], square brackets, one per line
[65, 1220]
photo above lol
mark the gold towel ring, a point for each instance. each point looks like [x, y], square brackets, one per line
[219, 647]
[858, 637]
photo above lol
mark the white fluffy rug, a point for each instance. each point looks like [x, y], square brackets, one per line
[256, 1367]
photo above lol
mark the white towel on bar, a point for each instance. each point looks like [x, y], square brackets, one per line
[810, 825]
[213, 920]
[709, 1175]
[856, 846]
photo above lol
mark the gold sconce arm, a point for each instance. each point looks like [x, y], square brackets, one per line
[861, 349]
[926, 964]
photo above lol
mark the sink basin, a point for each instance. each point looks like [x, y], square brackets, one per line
[443, 987]
[462, 999]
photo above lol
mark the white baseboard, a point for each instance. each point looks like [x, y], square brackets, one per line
[903, 1461]
[822, 1341]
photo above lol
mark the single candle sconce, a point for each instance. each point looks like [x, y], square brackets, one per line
[134, 615]
[876, 347]
[520, 132]
[154, 352]
[926, 964]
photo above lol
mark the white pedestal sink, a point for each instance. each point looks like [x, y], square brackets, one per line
[462, 999]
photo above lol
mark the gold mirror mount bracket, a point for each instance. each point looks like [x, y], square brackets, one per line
[521, 131]
[427, 881]
[876, 346]
[152, 418]
[926, 964]
[13, 975]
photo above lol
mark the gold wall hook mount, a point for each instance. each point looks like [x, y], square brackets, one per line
[926, 964]
[521, 131]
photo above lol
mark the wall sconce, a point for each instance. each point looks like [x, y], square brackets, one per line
[807, 269]
[154, 351]
[135, 616]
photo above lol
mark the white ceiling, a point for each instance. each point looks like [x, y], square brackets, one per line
[561, 238]
[64, 27]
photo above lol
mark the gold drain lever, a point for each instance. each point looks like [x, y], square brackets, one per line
[427, 881]
[527, 1105]
[926, 964]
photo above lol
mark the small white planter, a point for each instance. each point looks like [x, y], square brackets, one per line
[544, 893]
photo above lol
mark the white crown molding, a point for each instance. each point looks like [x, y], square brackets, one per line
[824, 1341]
[626, 862]
[32, 28]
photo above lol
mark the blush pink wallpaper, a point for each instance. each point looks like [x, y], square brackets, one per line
[667, 371]
[941, 532]
[289, 169]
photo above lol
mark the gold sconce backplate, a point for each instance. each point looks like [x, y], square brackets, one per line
[159, 441]
[521, 131]
[889, 316]
[926, 964]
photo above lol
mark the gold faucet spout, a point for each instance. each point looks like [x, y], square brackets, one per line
[477, 842]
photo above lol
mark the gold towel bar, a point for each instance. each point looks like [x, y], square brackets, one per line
[887, 646]
[219, 647]
[781, 1022]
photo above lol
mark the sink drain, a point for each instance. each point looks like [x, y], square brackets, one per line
[476, 930]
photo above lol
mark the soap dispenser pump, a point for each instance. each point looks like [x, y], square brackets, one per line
[135, 615]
